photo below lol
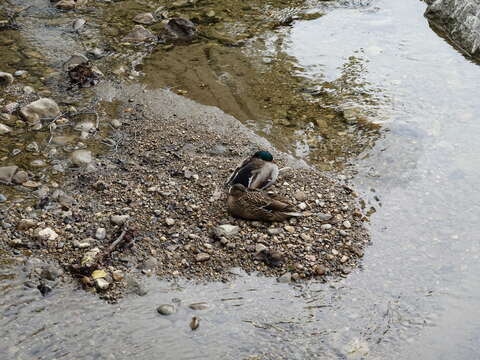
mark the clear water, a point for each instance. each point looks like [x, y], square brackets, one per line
[417, 294]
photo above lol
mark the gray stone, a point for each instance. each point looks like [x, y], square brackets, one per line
[302, 206]
[74, 60]
[144, 18]
[300, 195]
[41, 108]
[285, 278]
[199, 306]
[135, 287]
[50, 272]
[169, 221]
[460, 20]
[7, 173]
[38, 163]
[33, 147]
[119, 219]
[5, 78]
[274, 231]
[81, 157]
[226, 230]
[46, 234]
[347, 224]
[166, 309]
[3, 198]
[139, 34]
[78, 24]
[4, 129]
[324, 217]
[96, 53]
[20, 73]
[82, 244]
[218, 150]
[116, 123]
[202, 257]
[260, 247]
[101, 233]
[101, 284]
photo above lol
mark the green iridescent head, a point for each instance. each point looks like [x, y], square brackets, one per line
[264, 155]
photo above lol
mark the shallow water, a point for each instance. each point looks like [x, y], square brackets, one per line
[416, 295]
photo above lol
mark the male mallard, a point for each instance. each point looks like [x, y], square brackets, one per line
[258, 205]
[256, 172]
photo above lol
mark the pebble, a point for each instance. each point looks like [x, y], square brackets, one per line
[326, 226]
[344, 259]
[306, 237]
[302, 206]
[226, 230]
[38, 163]
[4, 129]
[28, 90]
[319, 270]
[139, 34]
[5, 78]
[26, 224]
[259, 248]
[41, 108]
[324, 217]
[7, 173]
[101, 284]
[81, 157]
[46, 234]
[81, 244]
[31, 184]
[117, 275]
[101, 233]
[285, 278]
[202, 257]
[3, 198]
[289, 228]
[347, 224]
[199, 306]
[343, 233]
[119, 219]
[169, 221]
[20, 73]
[78, 24]
[33, 147]
[334, 252]
[144, 18]
[166, 309]
[116, 123]
[300, 195]
[274, 231]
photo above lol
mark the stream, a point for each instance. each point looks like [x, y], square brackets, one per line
[416, 294]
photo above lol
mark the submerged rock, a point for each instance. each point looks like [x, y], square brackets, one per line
[70, 4]
[81, 157]
[166, 309]
[139, 34]
[7, 173]
[5, 78]
[144, 18]
[41, 108]
[179, 30]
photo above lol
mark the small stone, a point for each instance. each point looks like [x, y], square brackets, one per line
[199, 306]
[101, 233]
[302, 206]
[285, 278]
[119, 219]
[169, 221]
[306, 237]
[166, 309]
[226, 230]
[33, 147]
[5, 78]
[334, 252]
[81, 244]
[259, 248]
[99, 274]
[289, 228]
[3, 198]
[38, 163]
[117, 275]
[28, 90]
[326, 226]
[139, 34]
[46, 234]
[78, 24]
[96, 53]
[319, 270]
[324, 217]
[101, 284]
[310, 258]
[81, 157]
[343, 233]
[31, 184]
[144, 18]
[20, 73]
[116, 123]
[347, 224]
[202, 257]
[344, 259]
[74, 61]
[7, 173]
[4, 129]
[274, 231]
[26, 224]
[70, 4]
[300, 195]
[39, 109]
[89, 258]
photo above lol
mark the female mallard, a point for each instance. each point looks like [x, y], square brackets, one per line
[256, 172]
[257, 205]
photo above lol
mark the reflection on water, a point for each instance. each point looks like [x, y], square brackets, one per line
[416, 295]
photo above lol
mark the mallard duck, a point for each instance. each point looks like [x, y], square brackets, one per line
[259, 171]
[258, 205]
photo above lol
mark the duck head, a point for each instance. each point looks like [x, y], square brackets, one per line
[237, 190]
[264, 155]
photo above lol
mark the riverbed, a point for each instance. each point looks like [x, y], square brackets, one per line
[415, 295]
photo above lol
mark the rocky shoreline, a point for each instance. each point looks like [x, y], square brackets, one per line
[161, 187]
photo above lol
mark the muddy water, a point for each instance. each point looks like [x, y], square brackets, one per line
[417, 294]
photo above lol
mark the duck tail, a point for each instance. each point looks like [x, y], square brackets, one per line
[294, 214]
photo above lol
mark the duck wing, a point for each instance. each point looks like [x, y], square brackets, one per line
[246, 173]
[265, 176]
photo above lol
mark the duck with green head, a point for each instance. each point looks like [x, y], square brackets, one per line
[259, 171]
[258, 205]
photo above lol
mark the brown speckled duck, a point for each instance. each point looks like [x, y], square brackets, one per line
[258, 205]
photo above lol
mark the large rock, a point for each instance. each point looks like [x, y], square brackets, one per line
[41, 108]
[460, 19]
